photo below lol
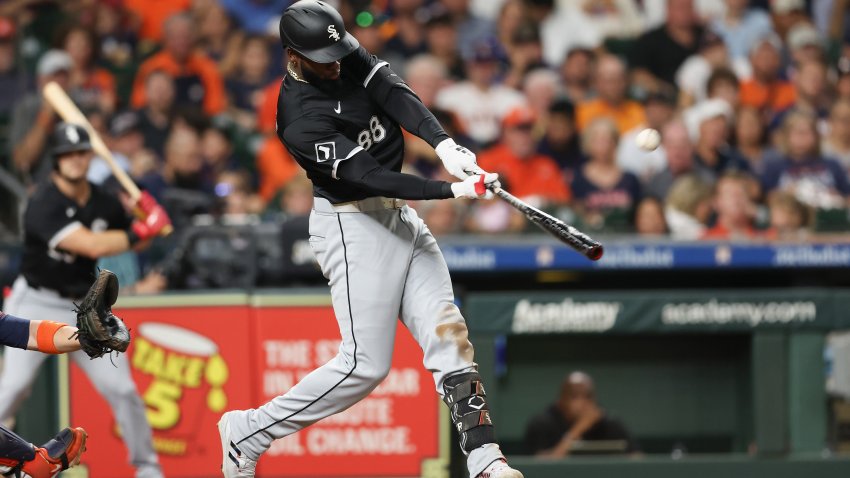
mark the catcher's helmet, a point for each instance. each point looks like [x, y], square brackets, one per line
[68, 138]
[316, 30]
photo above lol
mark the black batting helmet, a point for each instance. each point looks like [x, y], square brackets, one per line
[68, 138]
[316, 30]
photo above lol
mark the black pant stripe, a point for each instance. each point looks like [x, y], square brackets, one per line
[353, 338]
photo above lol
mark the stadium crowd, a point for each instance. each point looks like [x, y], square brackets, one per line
[752, 99]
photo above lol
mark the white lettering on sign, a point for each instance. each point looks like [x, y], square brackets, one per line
[371, 411]
[359, 441]
[288, 353]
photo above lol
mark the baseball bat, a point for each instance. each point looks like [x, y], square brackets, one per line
[567, 234]
[65, 107]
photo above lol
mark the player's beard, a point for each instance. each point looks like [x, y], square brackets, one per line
[328, 86]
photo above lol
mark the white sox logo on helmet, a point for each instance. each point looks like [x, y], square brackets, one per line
[72, 135]
[333, 33]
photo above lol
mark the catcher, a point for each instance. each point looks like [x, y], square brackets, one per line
[98, 332]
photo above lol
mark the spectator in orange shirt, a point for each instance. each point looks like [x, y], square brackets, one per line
[523, 171]
[610, 82]
[765, 89]
[91, 87]
[153, 13]
[735, 210]
[198, 81]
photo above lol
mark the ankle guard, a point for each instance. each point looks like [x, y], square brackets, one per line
[464, 394]
[14, 451]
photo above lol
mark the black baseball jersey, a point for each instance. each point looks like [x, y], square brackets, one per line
[50, 217]
[321, 128]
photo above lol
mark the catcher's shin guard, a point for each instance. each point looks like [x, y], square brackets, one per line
[60, 453]
[464, 394]
[14, 452]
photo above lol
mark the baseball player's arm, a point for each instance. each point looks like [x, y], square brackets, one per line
[401, 104]
[320, 149]
[40, 335]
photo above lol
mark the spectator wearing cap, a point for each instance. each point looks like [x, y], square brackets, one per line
[525, 172]
[91, 86]
[740, 27]
[734, 209]
[199, 84]
[576, 74]
[787, 13]
[766, 90]
[156, 117]
[479, 103]
[33, 119]
[678, 39]
[805, 44]
[153, 14]
[560, 137]
[836, 143]
[659, 108]
[245, 85]
[708, 126]
[604, 195]
[611, 83]
[692, 77]
[678, 154]
[814, 180]
[14, 82]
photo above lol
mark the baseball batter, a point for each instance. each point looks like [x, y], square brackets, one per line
[68, 224]
[340, 114]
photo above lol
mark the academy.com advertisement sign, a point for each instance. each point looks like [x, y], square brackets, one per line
[193, 362]
[657, 311]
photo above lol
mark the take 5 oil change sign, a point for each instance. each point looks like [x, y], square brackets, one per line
[190, 364]
[194, 357]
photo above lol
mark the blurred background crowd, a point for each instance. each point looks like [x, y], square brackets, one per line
[752, 99]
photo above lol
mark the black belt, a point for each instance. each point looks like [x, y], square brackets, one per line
[64, 292]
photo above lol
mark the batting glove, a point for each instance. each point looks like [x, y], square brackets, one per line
[476, 187]
[456, 159]
[154, 221]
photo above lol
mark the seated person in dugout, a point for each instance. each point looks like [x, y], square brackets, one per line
[576, 424]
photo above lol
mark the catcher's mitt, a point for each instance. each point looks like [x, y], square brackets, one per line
[100, 332]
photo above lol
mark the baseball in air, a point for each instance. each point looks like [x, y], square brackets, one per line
[648, 139]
